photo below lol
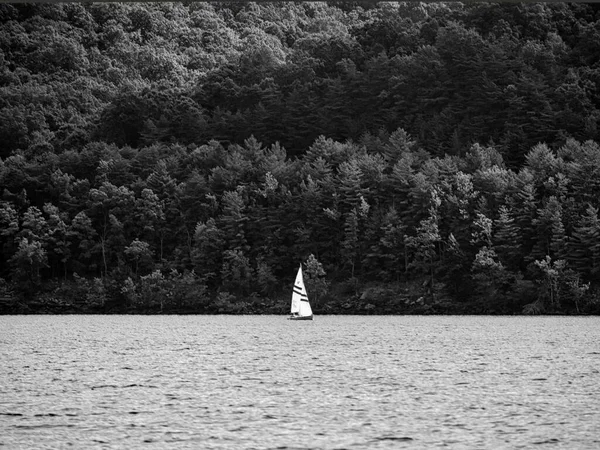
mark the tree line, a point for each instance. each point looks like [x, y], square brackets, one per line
[186, 157]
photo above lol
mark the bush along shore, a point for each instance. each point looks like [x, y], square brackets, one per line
[181, 296]
[429, 158]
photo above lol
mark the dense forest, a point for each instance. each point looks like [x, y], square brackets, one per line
[187, 157]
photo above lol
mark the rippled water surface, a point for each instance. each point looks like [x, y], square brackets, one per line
[263, 382]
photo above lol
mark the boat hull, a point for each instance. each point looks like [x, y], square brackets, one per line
[301, 317]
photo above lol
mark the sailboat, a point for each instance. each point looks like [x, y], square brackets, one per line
[301, 309]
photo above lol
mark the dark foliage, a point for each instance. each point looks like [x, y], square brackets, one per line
[431, 157]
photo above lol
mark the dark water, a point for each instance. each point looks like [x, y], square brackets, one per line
[262, 382]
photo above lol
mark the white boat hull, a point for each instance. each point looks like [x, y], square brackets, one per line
[301, 317]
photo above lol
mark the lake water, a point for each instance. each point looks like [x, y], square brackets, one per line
[263, 382]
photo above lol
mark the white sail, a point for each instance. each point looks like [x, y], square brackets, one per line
[300, 305]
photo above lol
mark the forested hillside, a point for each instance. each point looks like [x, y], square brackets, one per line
[186, 157]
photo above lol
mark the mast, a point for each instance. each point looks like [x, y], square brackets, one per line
[297, 292]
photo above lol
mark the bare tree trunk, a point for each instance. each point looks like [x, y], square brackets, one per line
[103, 244]
[162, 239]
[431, 278]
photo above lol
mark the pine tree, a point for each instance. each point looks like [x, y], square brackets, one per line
[550, 233]
[34, 225]
[314, 277]
[584, 245]
[399, 143]
[9, 227]
[349, 248]
[507, 239]
[233, 221]
[82, 239]
[139, 252]
[207, 254]
[236, 273]
[392, 246]
[558, 241]
[349, 184]
[424, 244]
[398, 185]
[523, 207]
[27, 262]
[57, 240]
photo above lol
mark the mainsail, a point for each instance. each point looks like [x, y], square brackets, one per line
[300, 305]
